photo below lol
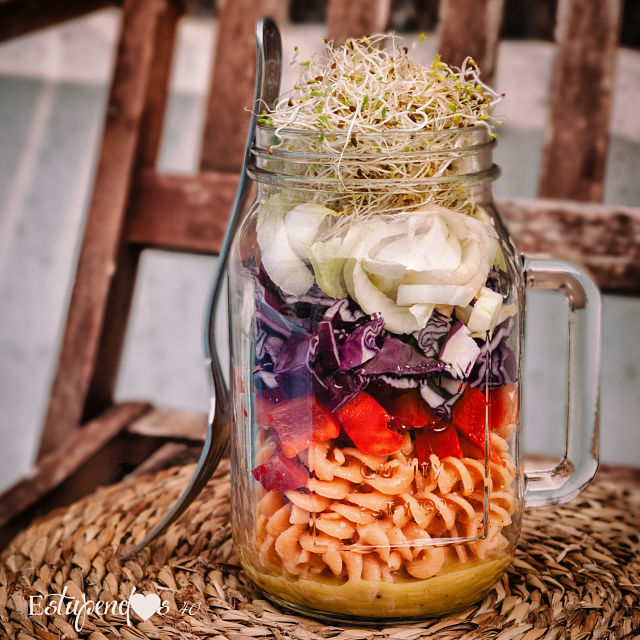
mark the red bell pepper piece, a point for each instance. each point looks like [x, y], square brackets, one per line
[366, 423]
[470, 450]
[504, 406]
[443, 441]
[409, 410]
[468, 415]
[281, 473]
[298, 422]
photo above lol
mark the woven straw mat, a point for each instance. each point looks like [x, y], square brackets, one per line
[576, 573]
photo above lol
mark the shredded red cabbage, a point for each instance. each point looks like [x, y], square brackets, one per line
[493, 280]
[362, 343]
[438, 398]
[399, 358]
[496, 365]
[430, 338]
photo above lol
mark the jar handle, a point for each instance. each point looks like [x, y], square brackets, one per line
[580, 462]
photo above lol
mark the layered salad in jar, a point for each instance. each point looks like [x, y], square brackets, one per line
[385, 391]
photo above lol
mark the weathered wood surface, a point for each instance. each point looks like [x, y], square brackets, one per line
[575, 150]
[58, 464]
[171, 424]
[121, 288]
[19, 17]
[152, 122]
[101, 243]
[603, 238]
[356, 18]
[232, 84]
[181, 213]
[471, 28]
[171, 454]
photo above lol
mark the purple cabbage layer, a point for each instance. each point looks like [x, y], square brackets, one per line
[331, 348]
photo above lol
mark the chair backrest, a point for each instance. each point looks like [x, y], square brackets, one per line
[134, 207]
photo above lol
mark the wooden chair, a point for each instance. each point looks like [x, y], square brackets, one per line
[134, 207]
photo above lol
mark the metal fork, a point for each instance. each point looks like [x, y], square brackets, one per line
[268, 72]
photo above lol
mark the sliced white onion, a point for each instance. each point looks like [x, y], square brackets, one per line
[328, 257]
[485, 312]
[303, 223]
[422, 312]
[327, 267]
[409, 294]
[281, 262]
[432, 246]
[388, 286]
[460, 351]
[396, 318]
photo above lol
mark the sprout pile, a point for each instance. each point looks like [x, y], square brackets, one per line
[372, 114]
[361, 88]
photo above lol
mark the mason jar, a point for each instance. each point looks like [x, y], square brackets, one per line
[377, 309]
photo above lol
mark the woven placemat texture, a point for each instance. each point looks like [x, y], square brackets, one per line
[576, 573]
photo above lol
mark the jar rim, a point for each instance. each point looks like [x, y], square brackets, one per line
[390, 132]
[367, 161]
[274, 152]
[313, 183]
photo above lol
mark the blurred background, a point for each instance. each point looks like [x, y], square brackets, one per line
[53, 89]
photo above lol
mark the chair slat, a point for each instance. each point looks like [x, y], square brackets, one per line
[101, 244]
[575, 149]
[72, 452]
[604, 238]
[471, 28]
[152, 123]
[20, 17]
[172, 424]
[181, 213]
[356, 18]
[232, 83]
[121, 288]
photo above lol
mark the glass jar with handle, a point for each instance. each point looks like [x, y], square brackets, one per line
[377, 308]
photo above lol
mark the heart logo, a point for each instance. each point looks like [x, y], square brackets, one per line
[145, 606]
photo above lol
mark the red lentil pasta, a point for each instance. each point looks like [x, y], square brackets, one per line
[379, 517]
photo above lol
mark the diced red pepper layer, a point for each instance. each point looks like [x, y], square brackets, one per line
[366, 423]
[298, 422]
[281, 473]
[504, 406]
[409, 410]
[468, 415]
[470, 450]
[443, 441]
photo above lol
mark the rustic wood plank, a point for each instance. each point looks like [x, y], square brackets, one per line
[67, 457]
[169, 455]
[182, 213]
[471, 28]
[356, 18]
[232, 82]
[121, 288]
[100, 246]
[172, 424]
[164, 43]
[20, 17]
[604, 238]
[576, 141]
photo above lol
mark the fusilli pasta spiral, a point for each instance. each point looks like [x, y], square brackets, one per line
[381, 517]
